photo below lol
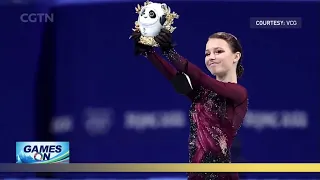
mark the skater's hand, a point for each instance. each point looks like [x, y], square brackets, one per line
[139, 49]
[164, 39]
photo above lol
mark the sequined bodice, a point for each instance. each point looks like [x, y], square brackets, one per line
[208, 140]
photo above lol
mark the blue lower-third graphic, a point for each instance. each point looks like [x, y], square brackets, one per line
[42, 152]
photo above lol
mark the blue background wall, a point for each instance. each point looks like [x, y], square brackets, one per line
[76, 79]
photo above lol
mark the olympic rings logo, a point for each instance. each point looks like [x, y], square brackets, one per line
[38, 156]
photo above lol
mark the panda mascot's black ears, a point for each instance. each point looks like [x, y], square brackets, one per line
[163, 19]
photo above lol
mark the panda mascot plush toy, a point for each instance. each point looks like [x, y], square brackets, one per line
[151, 19]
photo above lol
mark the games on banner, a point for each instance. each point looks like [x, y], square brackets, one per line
[42, 152]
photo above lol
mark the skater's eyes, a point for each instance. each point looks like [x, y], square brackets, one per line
[219, 51]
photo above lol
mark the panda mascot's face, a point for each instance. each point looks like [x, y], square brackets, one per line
[151, 19]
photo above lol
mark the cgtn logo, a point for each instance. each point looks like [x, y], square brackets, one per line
[42, 152]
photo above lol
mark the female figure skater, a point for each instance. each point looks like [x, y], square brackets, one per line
[218, 105]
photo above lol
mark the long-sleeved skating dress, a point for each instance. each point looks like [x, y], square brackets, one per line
[216, 113]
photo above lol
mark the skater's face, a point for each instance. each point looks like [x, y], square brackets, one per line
[219, 57]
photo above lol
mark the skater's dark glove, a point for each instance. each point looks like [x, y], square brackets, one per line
[164, 39]
[139, 49]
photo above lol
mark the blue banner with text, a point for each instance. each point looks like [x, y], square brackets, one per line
[114, 107]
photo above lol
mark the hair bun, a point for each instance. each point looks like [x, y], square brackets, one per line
[240, 70]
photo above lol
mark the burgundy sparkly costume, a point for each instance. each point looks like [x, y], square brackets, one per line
[216, 113]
